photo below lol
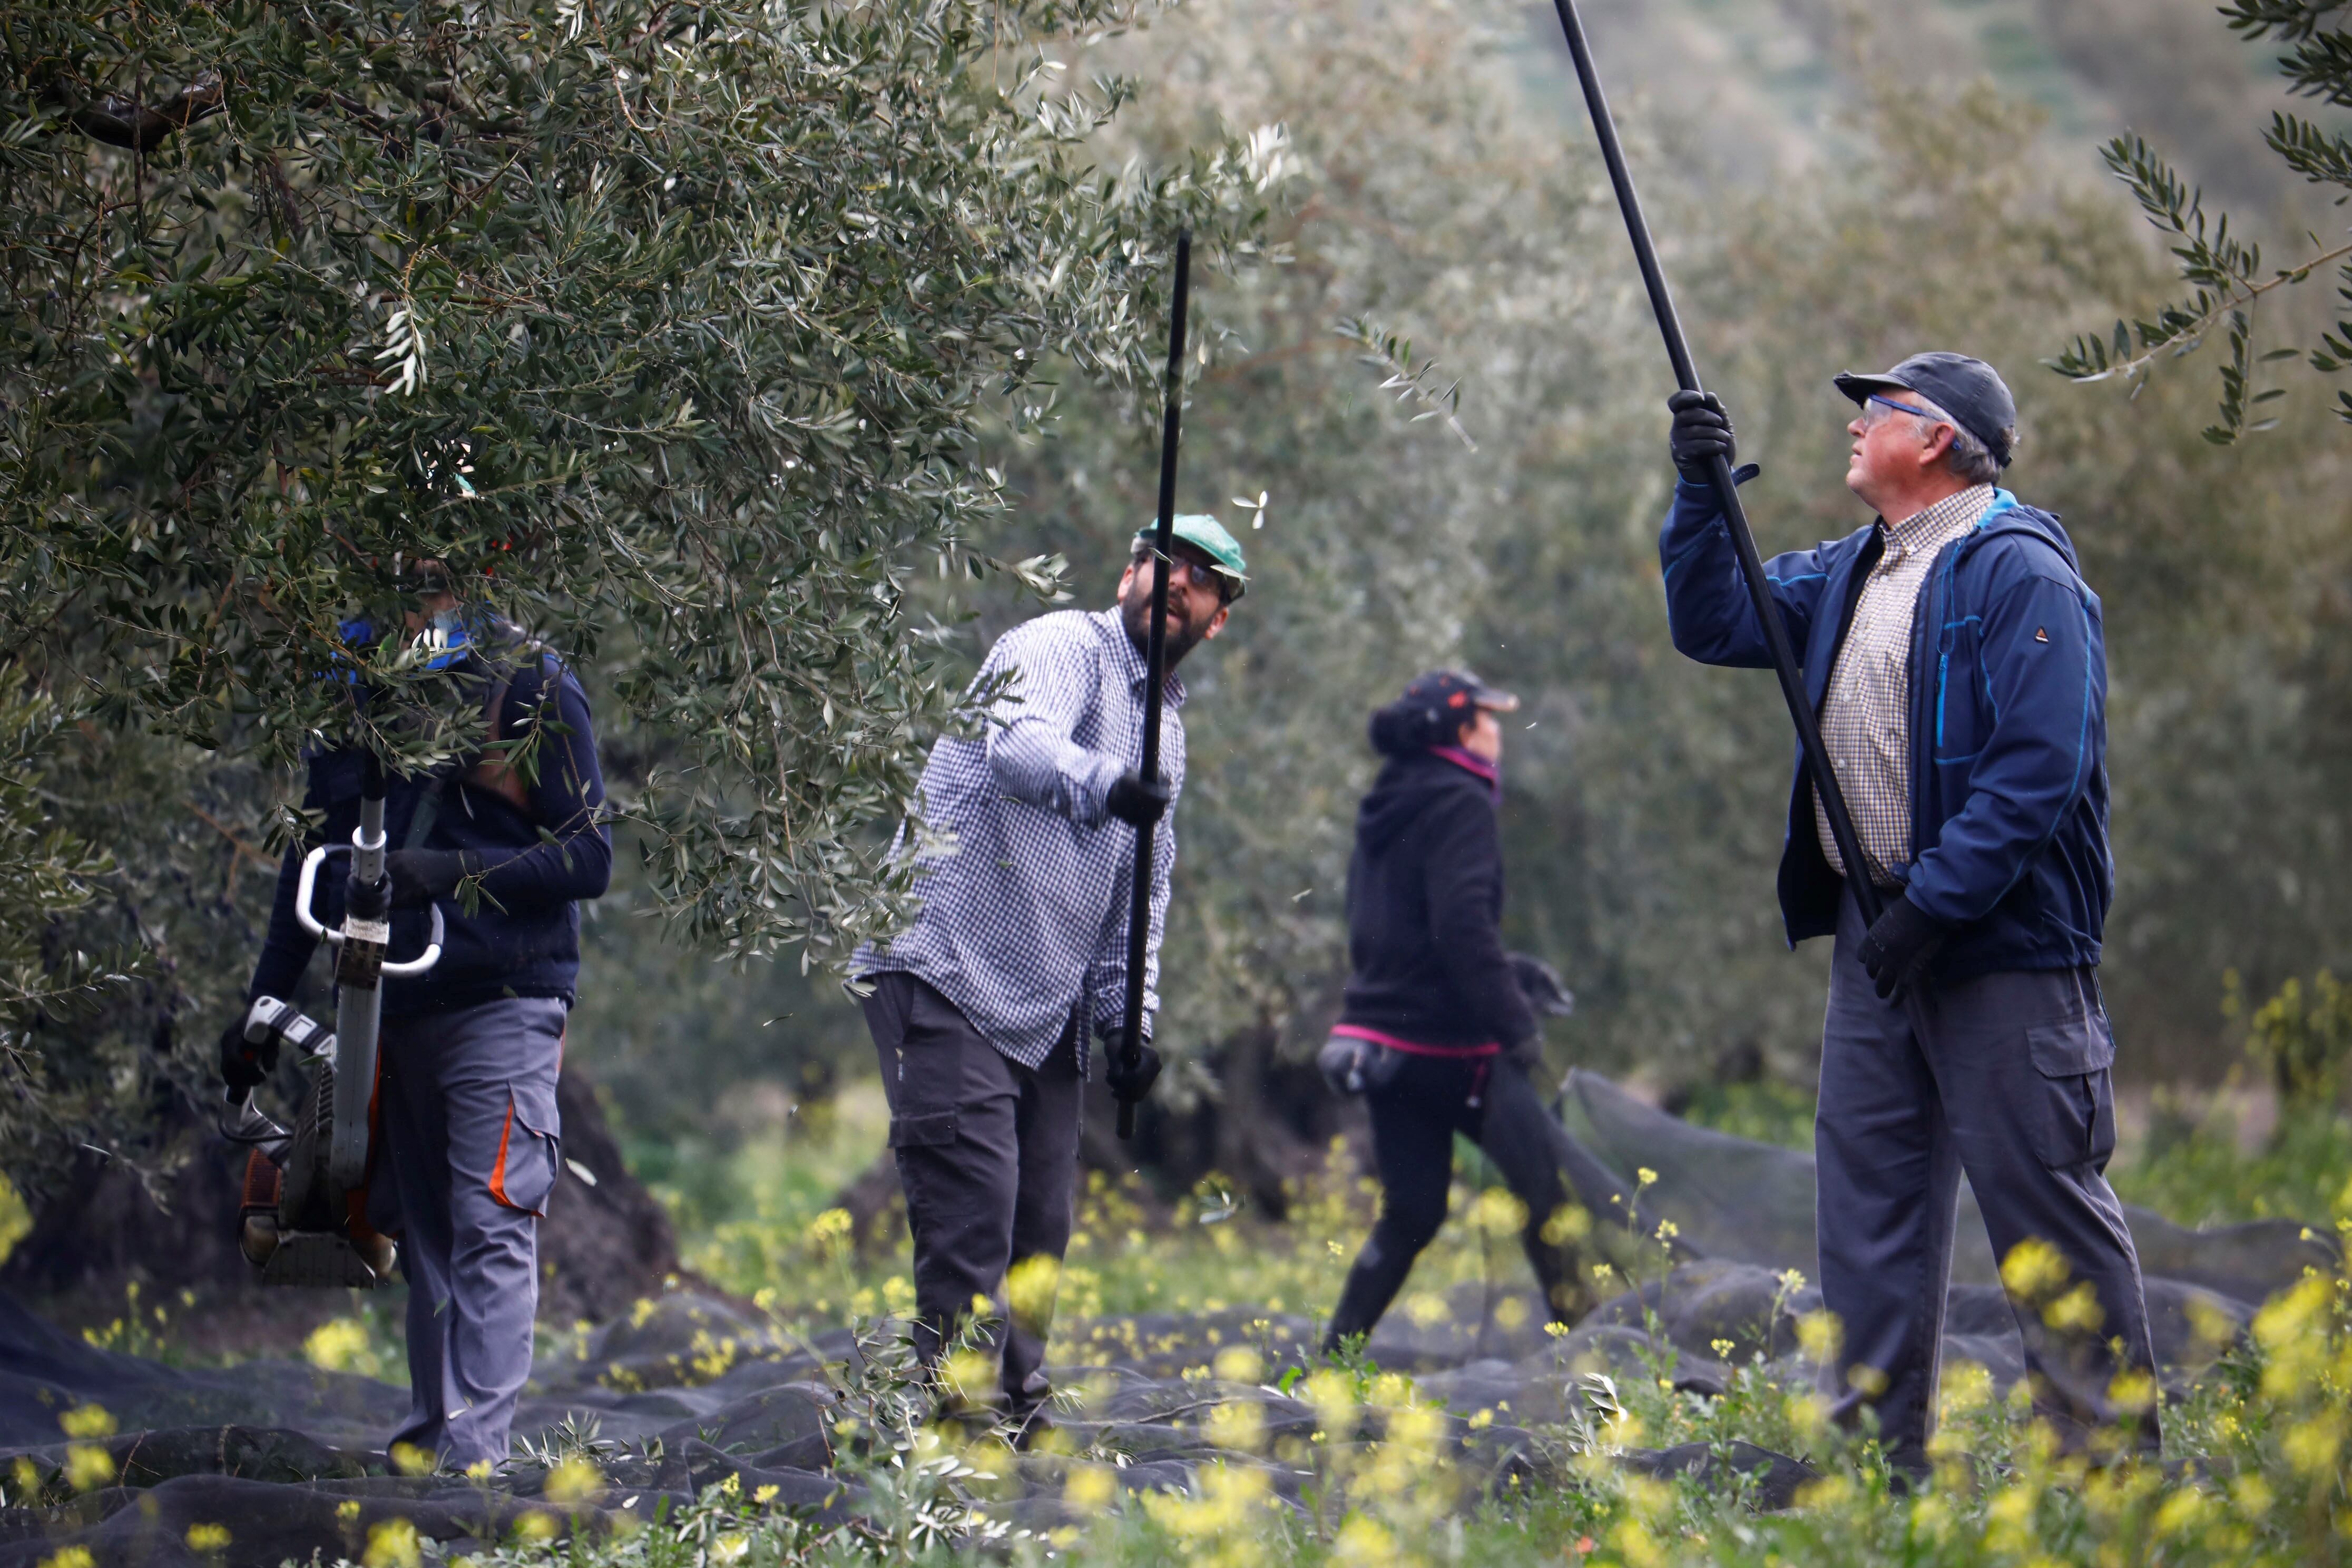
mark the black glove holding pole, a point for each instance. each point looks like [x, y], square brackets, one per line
[1135, 803]
[1901, 948]
[421, 875]
[1130, 1080]
[1701, 433]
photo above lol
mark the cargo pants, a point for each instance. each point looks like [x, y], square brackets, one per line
[2009, 1083]
[988, 1153]
[468, 1148]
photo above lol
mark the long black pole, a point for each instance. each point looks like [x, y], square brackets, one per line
[1155, 664]
[1743, 541]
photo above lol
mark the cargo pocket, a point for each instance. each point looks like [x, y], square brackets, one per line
[2074, 1060]
[927, 1130]
[530, 1149]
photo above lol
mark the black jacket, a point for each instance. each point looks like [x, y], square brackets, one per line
[1424, 911]
[522, 936]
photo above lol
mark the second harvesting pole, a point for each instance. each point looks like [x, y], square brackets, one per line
[1743, 541]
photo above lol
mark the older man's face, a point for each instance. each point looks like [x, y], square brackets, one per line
[1196, 602]
[1889, 455]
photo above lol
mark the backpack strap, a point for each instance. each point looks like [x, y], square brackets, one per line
[494, 773]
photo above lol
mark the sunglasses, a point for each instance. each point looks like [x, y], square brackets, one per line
[1185, 573]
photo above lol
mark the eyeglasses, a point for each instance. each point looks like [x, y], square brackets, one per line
[1183, 572]
[1872, 418]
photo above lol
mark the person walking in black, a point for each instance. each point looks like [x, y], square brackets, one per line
[1437, 1031]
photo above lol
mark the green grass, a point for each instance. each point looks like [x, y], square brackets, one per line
[2257, 1478]
[781, 1244]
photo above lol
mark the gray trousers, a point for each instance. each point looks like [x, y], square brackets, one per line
[2009, 1083]
[467, 1150]
[988, 1153]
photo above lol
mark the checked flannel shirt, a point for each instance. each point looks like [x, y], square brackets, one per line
[1866, 710]
[1026, 902]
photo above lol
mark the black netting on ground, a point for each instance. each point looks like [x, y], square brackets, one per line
[287, 1458]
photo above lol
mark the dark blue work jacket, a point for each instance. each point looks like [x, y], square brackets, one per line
[539, 855]
[2008, 686]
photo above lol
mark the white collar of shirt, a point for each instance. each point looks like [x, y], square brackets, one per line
[1930, 529]
[1112, 627]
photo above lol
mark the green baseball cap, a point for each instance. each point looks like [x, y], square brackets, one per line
[1207, 535]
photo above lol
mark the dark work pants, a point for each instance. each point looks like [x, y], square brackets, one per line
[469, 1151]
[988, 1153]
[2009, 1083]
[1415, 1115]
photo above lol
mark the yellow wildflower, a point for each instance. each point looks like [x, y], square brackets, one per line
[88, 1421]
[392, 1544]
[89, 1467]
[2182, 1512]
[1239, 1364]
[576, 1480]
[1089, 1488]
[2033, 1269]
[338, 1344]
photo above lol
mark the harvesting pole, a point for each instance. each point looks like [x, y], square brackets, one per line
[1155, 664]
[1743, 541]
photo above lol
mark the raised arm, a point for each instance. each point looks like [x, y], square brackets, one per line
[1054, 677]
[1708, 608]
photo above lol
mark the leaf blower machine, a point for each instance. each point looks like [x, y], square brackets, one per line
[303, 1219]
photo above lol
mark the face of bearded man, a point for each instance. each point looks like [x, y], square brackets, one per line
[1195, 613]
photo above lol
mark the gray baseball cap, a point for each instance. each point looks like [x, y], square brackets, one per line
[1969, 390]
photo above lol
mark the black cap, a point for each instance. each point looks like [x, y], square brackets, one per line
[1433, 708]
[1969, 390]
[1458, 690]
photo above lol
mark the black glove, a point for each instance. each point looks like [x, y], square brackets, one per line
[1702, 433]
[1134, 802]
[1901, 946]
[420, 875]
[1547, 996]
[244, 1065]
[1129, 1085]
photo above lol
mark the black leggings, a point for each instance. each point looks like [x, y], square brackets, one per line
[1414, 1118]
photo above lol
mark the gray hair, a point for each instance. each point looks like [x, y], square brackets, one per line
[1969, 458]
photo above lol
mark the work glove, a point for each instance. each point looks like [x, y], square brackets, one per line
[242, 1064]
[1901, 946]
[1547, 996]
[1137, 804]
[1702, 433]
[420, 875]
[1128, 1085]
[1343, 1062]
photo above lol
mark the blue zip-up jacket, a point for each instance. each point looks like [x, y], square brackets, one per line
[2009, 694]
[522, 936]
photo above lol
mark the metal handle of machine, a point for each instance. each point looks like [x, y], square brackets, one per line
[303, 888]
[310, 879]
[422, 961]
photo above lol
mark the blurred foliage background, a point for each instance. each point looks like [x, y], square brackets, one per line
[1835, 188]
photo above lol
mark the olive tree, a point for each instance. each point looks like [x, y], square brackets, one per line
[665, 330]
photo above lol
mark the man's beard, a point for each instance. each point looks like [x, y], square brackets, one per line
[1183, 636]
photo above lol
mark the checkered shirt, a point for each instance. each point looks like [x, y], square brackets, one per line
[1025, 887]
[1866, 712]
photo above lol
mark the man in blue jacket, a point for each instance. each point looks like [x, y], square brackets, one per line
[467, 1139]
[1954, 657]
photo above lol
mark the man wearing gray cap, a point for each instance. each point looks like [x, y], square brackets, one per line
[1955, 659]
